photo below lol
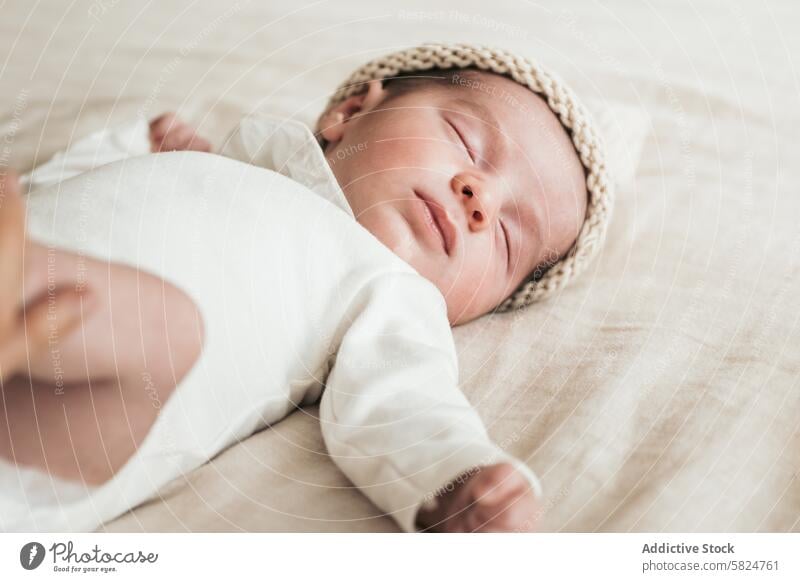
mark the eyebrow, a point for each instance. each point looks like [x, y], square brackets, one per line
[500, 151]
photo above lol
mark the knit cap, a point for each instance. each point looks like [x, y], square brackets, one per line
[541, 283]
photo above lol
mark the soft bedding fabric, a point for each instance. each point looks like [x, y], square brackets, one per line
[659, 392]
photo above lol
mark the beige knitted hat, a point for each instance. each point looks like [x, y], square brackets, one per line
[563, 102]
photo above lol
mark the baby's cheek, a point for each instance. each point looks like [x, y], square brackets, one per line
[387, 226]
[413, 147]
[473, 288]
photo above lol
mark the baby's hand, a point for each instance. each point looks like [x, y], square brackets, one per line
[168, 133]
[497, 498]
[26, 330]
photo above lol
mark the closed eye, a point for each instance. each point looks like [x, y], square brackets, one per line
[508, 246]
[461, 138]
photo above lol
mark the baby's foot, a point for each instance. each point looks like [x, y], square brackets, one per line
[168, 133]
[496, 498]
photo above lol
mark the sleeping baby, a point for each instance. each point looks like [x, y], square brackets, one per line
[157, 309]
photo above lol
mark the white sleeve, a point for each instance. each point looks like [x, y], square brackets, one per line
[256, 140]
[237, 146]
[392, 414]
[100, 148]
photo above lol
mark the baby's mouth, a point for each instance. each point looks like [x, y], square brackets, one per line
[432, 222]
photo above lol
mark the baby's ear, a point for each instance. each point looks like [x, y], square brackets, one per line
[333, 122]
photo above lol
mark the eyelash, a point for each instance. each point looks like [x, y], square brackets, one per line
[463, 141]
[508, 244]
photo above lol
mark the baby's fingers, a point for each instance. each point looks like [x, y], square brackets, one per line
[505, 514]
[12, 240]
[199, 144]
[161, 125]
[169, 133]
[177, 139]
[45, 321]
[502, 500]
[55, 316]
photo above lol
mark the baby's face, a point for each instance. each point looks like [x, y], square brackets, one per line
[487, 160]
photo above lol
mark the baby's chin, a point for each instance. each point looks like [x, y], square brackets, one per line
[394, 231]
[401, 241]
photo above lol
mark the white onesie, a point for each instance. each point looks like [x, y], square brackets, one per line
[296, 296]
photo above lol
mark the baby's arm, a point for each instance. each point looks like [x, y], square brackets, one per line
[77, 337]
[395, 421]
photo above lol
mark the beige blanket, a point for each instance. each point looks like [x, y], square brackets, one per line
[660, 392]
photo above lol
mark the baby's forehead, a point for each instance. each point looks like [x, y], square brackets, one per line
[523, 119]
[510, 103]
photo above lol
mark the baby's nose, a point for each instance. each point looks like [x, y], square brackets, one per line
[480, 202]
